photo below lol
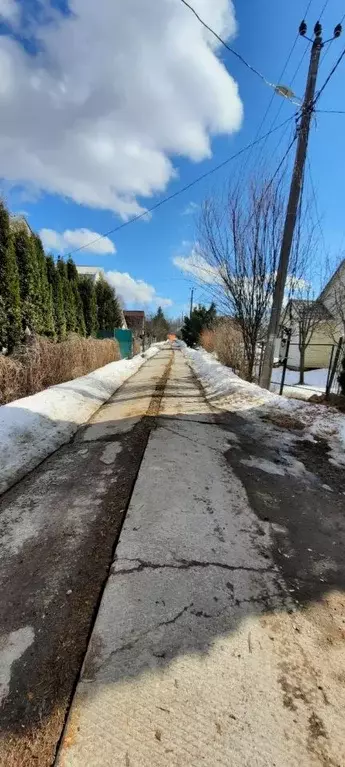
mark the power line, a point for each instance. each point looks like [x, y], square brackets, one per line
[228, 47]
[323, 9]
[179, 191]
[330, 43]
[316, 204]
[330, 111]
[329, 76]
[274, 93]
[267, 188]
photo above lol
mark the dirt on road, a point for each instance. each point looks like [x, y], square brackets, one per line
[59, 529]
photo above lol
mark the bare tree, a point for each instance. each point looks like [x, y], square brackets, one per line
[306, 314]
[239, 240]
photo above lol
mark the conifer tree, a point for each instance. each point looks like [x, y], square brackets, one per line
[73, 279]
[87, 292]
[28, 277]
[109, 312]
[9, 283]
[46, 297]
[68, 296]
[56, 288]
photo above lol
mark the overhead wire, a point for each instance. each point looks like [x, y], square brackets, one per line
[331, 73]
[227, 46]
[267, 188]
[316, 204]
[179, 191]
[326, 51]
[274, 93]
[330, 111]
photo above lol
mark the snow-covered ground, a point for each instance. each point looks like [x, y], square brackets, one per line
[229, 392]
[315, 382]
[33, 427]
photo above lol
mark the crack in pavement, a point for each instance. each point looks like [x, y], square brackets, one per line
[184, 564]
[190, 439]
[130, 645]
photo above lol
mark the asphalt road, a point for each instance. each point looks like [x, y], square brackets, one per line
[219, 639]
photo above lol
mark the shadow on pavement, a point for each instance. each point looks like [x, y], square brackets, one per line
[52, 576]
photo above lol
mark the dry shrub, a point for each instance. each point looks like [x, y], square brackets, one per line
[207, 340]
[40, 363]
[229, 348]
[136, 346]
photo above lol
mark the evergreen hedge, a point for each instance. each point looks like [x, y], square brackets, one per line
[39, 295]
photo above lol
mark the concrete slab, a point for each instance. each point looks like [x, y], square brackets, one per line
[198, 655]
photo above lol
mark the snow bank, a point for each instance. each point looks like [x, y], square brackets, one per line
[33, 427]
[227, 391]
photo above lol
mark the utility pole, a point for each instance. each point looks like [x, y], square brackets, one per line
[191, 301]
[294, 198]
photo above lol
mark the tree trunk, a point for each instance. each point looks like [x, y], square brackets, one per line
[301, 365]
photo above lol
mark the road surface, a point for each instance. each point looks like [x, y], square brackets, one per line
[219, 636]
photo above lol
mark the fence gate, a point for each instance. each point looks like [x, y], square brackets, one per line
[335, 368]
[125, 341]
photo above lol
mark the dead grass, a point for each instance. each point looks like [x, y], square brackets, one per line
[284, 421]
[207, 340]
[41, 363]
[225, 339]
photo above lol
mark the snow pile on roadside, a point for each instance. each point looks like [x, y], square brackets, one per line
[33, 427]
[227, 391]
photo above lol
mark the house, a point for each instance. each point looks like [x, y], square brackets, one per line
[311, 326]
[94, 272]
[135, 321]
[320, 323]
[333, 297]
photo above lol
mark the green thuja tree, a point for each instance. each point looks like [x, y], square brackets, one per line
[68, 297]
[45, 290]
[87, 292]
[73, 279]
[56, 287]
[9, 284]
[109, 311]
[28, 278]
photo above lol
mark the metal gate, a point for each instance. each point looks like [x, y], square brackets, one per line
[125, 341]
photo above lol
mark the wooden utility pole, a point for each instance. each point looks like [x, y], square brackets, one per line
[293, 202]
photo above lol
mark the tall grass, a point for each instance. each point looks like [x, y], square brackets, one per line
[40, 363]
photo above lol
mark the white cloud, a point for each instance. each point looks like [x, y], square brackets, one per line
[76, 238]
[9, 10]
[190, 209]
[198, 267]
[135, 291]
[114, 91]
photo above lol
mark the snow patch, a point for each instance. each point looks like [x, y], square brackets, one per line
[33, 427]
[229, 392]
[12, 647]
[264, 465]
[110, 452]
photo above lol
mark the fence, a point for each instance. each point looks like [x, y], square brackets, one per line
[317, 380]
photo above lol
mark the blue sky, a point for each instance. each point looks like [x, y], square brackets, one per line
[145, 250]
